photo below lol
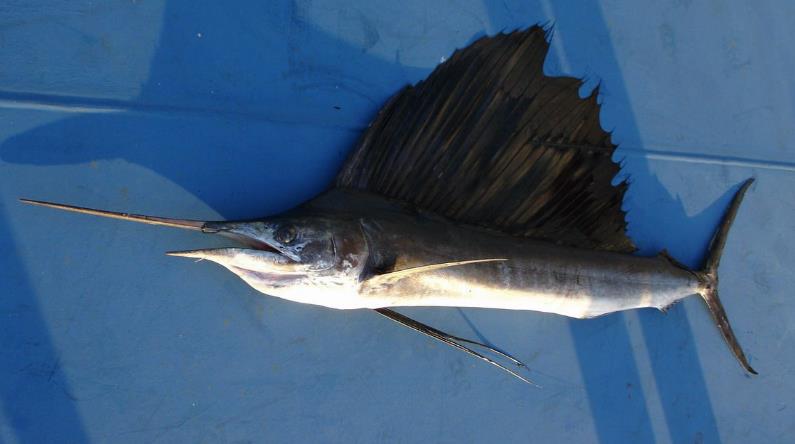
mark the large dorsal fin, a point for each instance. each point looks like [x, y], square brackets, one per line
[488, 139]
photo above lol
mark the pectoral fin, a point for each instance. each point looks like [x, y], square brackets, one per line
[393, 277]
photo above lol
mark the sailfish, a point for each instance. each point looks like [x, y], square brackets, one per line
[488, 184]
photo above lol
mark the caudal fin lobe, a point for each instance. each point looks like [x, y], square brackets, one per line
[709, 277]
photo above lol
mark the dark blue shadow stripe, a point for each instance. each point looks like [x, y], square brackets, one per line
[37, 401]
[615, 394]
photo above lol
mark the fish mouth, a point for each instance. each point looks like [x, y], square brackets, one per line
[250, 235]
[254, 257]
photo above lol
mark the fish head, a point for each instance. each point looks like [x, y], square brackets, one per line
[312, 259]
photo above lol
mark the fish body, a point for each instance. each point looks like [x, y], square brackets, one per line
[524, 274]
[532, 275]
[488, 184]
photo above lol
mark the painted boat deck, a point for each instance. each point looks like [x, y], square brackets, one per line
[175, 109]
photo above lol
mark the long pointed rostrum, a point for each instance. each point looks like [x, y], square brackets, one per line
[152, 220]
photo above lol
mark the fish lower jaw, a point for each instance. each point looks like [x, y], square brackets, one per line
[335, 296]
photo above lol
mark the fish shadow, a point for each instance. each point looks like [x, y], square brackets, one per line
[236, 94]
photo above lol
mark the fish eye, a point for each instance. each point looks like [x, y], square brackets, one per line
[286, 234]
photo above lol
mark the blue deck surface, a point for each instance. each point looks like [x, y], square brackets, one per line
[210, 110]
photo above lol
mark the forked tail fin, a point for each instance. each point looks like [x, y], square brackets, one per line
[709, 277]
